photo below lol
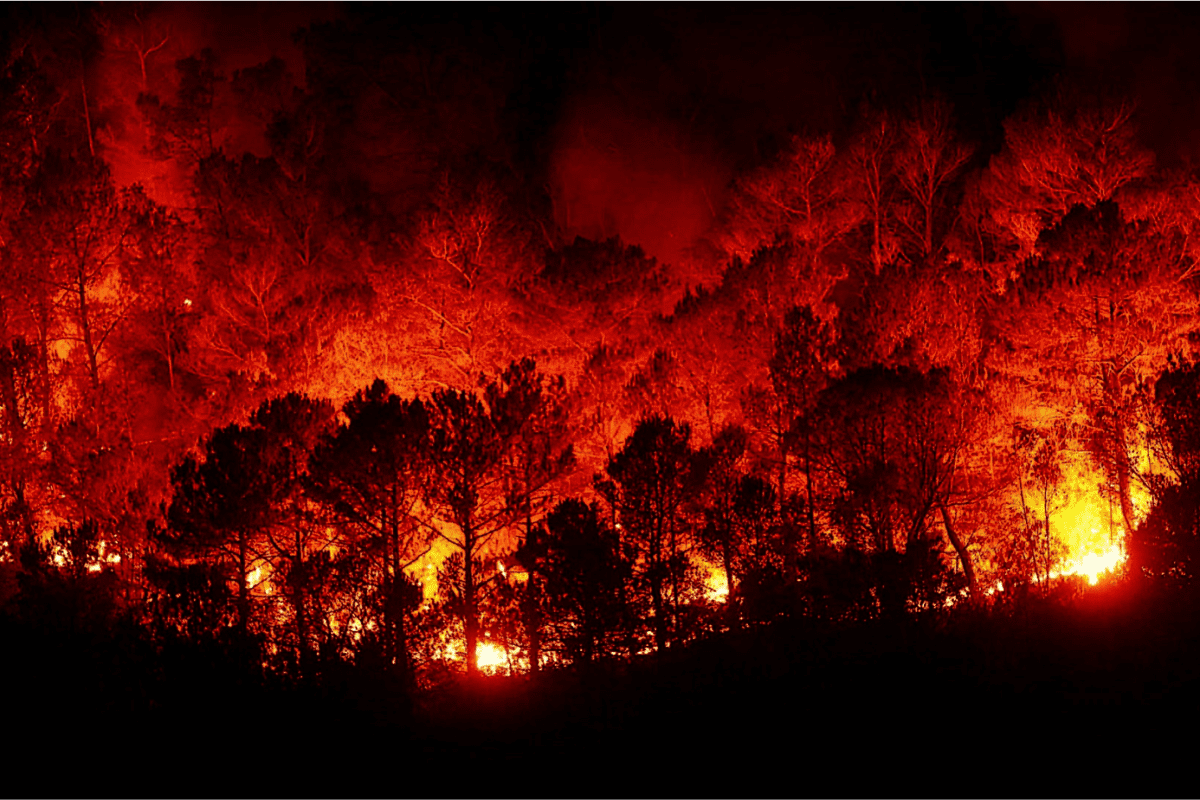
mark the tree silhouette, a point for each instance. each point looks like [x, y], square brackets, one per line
[75, 228]
[468, 492]
[765, 557]
[239, 503]
[64, 581]
[928, 157]
[892, 442]
[1165, 546]
[584, 572]
[531, 413]
[297, 531]
[1063, 150]
[21, 402]
[873, 178]
[801, 365]
[648, 483]
[375, 471]
[156, 271]
[720, 537]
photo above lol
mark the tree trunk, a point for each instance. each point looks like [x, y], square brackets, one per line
[85, 328]
[964, 555]
[43, 316]
[1046, 515]
[402, 663]
[812, 519]
[1025, 515]
[1120, 452]
[929, 223]
[243, 585]
[533, 620]
[622, 588]
[470, 613]
[298, 606]
[166, 326]
[673, 627]
[656, 599]
[533, 624]
[1123, 481]
[395, 612]
[783, 457]
[87, 114]
[727, 558]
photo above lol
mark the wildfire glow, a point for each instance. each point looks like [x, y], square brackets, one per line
[1093, 565]
[716, 588]
[1093, 530]
[490, 657]
[1090, 527]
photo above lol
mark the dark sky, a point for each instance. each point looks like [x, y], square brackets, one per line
[670, 101]
[637, 115]
[718, 86]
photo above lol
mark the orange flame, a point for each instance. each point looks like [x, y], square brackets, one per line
[716, 587]
[1093, 528]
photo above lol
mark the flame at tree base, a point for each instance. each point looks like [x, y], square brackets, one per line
[490, 658]
[1093, 565]
[1091, 532]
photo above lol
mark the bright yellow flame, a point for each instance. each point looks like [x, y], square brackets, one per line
[490, 657]
[1091, 527]
[716, 588]
[1087, 525]
[1093, 565]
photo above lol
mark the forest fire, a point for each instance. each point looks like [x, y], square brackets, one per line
[492, 658]
[716, 586]
[400, 347]
[1094, 565]
[1094, 540]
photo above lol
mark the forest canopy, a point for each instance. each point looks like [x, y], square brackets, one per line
[390, 348]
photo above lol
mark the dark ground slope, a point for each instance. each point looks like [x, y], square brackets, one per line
[1093, 695]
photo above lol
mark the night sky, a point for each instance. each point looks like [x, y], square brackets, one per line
[636, 116]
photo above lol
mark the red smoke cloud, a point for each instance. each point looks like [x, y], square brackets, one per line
[649, 181]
